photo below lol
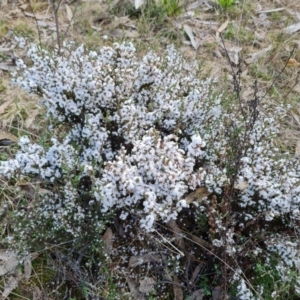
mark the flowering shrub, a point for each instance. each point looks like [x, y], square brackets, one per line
[139, 136]
[124, 115]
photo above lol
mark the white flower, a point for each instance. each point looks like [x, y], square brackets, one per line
[217, 243]
[194, 149]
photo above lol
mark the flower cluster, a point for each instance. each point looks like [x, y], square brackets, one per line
[157, 174]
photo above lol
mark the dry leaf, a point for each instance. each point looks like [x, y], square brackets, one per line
[96, 28]
[7, 66]
[178, 293]
[7, 46]
[130, 34]
[292, 28]
[241, 185]
[258, 7]
[263, 20]
[195, 43]
[24, 6]
[296, 117]
[69, 13]
[233, 54]
[119, 227]
[103, 19]
[44, 191]
[256, 55]
[297, 150]
[10, 285]
[297, 88]
[187, 14]
[197, 196]
[217, 53]
[292, 62]
[108, 239]
[201, 242]
[8, 262]
[272, 10]
[210, 23]
[119, 33]
[177, 234]
[31, 118]
[221, 28]
[37, 294]
[208, 6]
[121, 21]
[132, 284]
[7, 139]
[168, 274]
[260, 36]
[28, 188]
[133, 287]
[27, 267]
[198, 295]
[147, 285]
[50, 25]
[296, 43]
[195, 274]
[217, 293]
[194, 5]
[130, 24]
[142, 259]
[15, 12]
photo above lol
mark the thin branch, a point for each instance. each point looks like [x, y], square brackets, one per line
[278, 76]
[243, 276]
[236, 78]
[292, 88]
[36, 21]
[69, 25]
[55, 11]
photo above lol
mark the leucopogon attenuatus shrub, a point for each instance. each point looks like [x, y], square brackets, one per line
[139, 135]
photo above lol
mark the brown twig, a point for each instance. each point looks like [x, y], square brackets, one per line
[55, 8]
[69, 25]
[36, 21]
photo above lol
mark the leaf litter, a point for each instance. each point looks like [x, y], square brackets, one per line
[8, 261]
[10, 284]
